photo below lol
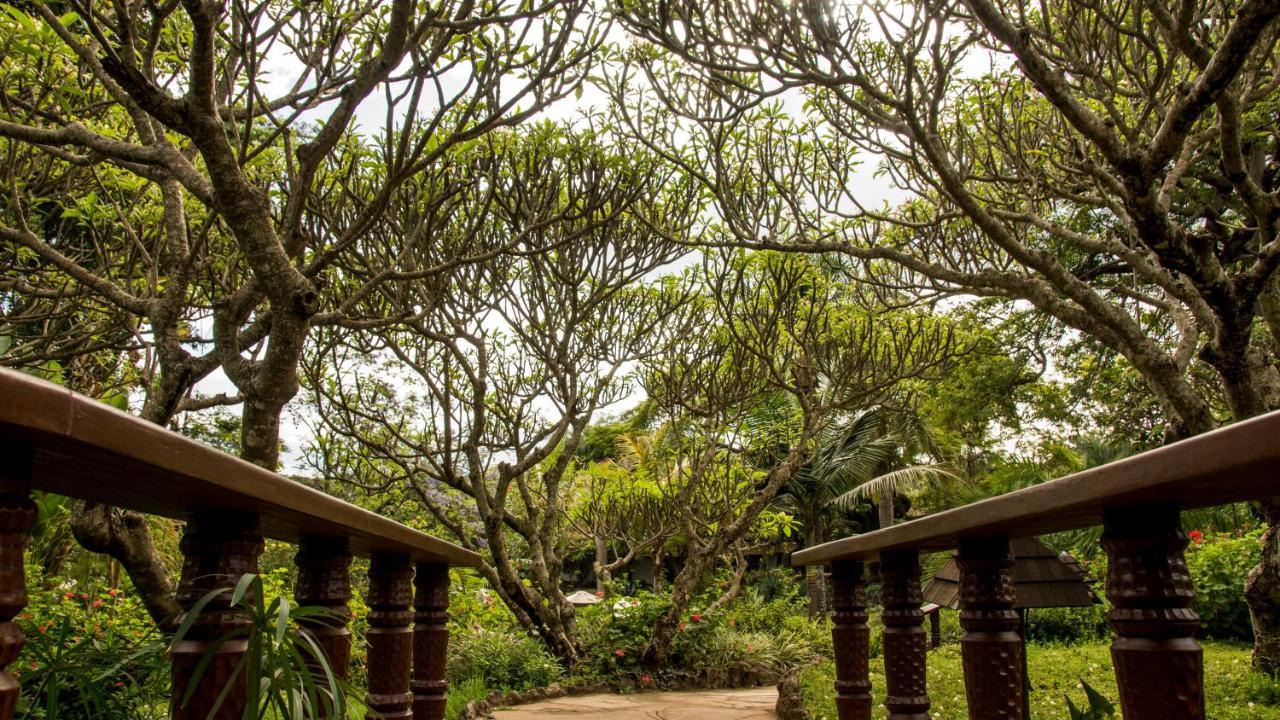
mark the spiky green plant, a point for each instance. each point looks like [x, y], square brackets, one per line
[288, 675]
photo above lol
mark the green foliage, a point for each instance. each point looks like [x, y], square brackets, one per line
[461, 693]
[1219, 565]
[1068, 625]
[288, 674]
[1233, 691]
[501, 660]
[89, 654]
[1099, 707]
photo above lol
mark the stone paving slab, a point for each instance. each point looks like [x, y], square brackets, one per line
[749, 704]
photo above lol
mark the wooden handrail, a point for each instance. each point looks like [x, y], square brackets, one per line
[88, 450]
[1232, 464]
[55, 440]
[1158, 664]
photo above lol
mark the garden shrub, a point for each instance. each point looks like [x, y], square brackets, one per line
[1219, 565]
[504, 660]
[90, 653]
[1068, 625]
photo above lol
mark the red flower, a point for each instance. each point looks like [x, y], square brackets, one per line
[683, 626]
[645, 678]
[620, 652]
[71, 596]
[599, 593]
[97, 603]
[42, 629]
[695, 617]
[1197, 537]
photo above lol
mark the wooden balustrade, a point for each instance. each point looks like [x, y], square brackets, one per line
[1157, 662]
[56, 441]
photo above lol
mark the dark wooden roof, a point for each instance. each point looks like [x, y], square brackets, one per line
[1232, 464]
[82, 448]
[1041, 578]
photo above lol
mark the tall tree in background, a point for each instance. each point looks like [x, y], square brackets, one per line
[1116, 166]
[215, 180]
[493, 375]
[784, 351]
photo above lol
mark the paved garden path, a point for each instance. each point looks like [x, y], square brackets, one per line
[751, 704]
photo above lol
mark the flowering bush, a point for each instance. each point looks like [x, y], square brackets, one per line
[1219, 565]
[90, 653]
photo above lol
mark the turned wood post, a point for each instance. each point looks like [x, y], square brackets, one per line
[390, 651]
[991, 647]
[905, 644]
[17, 516]
[218, 549]
[430, 640]
[1159, 666]
[852, 639]
[324, 580]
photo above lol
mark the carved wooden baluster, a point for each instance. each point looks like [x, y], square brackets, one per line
[430, 640]
[905, 644]
[1159, 666]
[991, 646]
[17, 515]
[852, 640]
[218, 549]
[324, 580]
[390, 651]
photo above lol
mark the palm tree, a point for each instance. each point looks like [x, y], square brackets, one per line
[869, 455]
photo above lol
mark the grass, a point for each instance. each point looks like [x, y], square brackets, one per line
[1233, 691]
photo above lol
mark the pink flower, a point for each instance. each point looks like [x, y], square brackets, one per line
[645, 678]
[620, 652]
[599, 593]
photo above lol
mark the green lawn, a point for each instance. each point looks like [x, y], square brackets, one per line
[1233, 691]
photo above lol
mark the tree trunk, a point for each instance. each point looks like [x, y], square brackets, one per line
[260, 431]
[695, 569]
[816, 589]
[1262, 590]
[603, 576]
[884, 508]
[657, 569]
[815, 578]
[124, 535]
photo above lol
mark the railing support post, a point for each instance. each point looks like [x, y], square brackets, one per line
[17, 515]
[905, 644]
[324, 580]
[390, 651]
[218, 549]
[1159, 666]
[430, 640]
[852, 639]
[991, 647]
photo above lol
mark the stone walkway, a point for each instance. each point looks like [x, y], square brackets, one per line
[750, 704]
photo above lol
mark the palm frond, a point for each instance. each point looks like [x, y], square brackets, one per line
[898, 482]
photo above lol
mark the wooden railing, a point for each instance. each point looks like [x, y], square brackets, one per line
[54, 440]
[1157, 662]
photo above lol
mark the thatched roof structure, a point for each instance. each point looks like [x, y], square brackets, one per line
[1042, 578]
